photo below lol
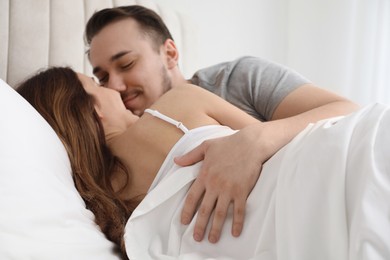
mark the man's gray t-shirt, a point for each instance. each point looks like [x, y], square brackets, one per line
[255, 85]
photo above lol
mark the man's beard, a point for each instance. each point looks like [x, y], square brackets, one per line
[166, 83]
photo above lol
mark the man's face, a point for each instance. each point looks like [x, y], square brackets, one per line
[123, 59]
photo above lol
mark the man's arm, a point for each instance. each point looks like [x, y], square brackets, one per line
[232, 164]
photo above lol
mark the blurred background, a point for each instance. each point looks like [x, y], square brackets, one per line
[341, 45]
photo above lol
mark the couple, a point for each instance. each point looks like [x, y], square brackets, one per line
[133, 53]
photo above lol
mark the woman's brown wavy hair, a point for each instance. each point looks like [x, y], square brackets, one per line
[58, 95]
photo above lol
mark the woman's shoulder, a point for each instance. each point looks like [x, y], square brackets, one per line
[177, 98]
[187, 88]
[191, 91]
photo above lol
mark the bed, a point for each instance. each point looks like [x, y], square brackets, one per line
[323, 196]
[42, 216]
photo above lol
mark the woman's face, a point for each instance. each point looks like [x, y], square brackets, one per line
[109, 106]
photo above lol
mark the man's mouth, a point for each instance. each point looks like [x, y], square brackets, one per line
[131, 100]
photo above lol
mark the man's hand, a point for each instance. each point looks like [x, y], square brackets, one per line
[232, 164]
[231, 167]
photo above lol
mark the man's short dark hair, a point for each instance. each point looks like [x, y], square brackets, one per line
[149, 21]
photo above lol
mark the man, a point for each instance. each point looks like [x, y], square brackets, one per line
[132, 51]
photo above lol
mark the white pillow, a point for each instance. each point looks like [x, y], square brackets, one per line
[42, 216]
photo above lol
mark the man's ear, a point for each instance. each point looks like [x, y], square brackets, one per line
[171, 53]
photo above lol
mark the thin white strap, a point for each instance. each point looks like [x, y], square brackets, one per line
[178, 124]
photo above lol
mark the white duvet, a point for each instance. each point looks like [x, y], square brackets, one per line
[325, 195]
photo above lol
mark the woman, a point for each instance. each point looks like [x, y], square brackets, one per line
[114, 154]
[323, 196]
[57, 94]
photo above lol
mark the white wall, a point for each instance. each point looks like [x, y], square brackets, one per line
[341, 45]
[228, 29]
[279, 30]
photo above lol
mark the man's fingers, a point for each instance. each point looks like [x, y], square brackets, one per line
[220, 213]
[203, 216]
[192, 157]
[192, 201]
[238, 216]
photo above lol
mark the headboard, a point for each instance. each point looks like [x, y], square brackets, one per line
[39, 33]
[42, 214]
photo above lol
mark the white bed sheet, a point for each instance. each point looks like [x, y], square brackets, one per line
[325, 195]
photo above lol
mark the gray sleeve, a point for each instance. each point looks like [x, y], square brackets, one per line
[255, 85]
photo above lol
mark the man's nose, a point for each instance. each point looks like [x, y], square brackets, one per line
[116, 83]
